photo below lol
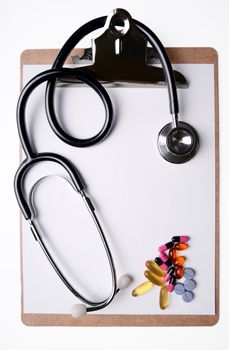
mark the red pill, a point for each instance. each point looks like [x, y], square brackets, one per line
[179, 273]
[179, 261]
[181, 246]
[172, 253]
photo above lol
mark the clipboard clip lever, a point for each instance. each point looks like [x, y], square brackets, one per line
[120, 55]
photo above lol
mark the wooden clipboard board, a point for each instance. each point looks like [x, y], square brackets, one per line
[176, 55]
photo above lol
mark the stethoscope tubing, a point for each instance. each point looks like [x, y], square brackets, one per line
[71, 171]
[93, 305]
[50, 75]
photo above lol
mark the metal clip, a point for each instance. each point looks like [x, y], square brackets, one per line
[120, 55]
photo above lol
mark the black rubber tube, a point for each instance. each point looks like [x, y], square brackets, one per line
[166, 64]
[61, 73]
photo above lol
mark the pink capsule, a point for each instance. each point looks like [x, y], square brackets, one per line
[178, 239]
[167, 278]
[165, 247]
[171, 284]
[165, 259]
[169, 274]
[170, 288]
[159, 262]
[164, 267]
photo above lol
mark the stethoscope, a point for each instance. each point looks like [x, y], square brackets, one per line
[177, 143]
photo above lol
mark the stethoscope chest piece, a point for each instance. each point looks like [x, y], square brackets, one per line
[177, 144]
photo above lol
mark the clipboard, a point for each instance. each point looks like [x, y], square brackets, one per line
[177, 56]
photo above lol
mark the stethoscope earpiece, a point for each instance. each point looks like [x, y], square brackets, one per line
[80, 310]
[177, 144]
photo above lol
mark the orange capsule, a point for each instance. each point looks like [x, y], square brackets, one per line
[181, 246]
[172, 254]
[179, 273]
[179, 261]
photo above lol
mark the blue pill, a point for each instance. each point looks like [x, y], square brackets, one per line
[189, 285]
[189, 273]
[187, 296]
[179, 288]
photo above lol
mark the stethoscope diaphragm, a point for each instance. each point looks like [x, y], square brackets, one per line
[177, 144]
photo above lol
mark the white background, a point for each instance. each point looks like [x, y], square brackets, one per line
[47, 24]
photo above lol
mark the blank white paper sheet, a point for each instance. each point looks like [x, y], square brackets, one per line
[140, 199]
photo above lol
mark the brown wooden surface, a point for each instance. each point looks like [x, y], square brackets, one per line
[176, 55]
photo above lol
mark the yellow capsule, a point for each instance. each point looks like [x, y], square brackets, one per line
[153, 278]
[152, 266]
[142, 289]
[164, 298]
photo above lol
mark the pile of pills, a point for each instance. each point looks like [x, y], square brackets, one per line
[165, 270]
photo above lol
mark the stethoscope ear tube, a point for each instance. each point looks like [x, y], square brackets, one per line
[26, 166]
[28, 214]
